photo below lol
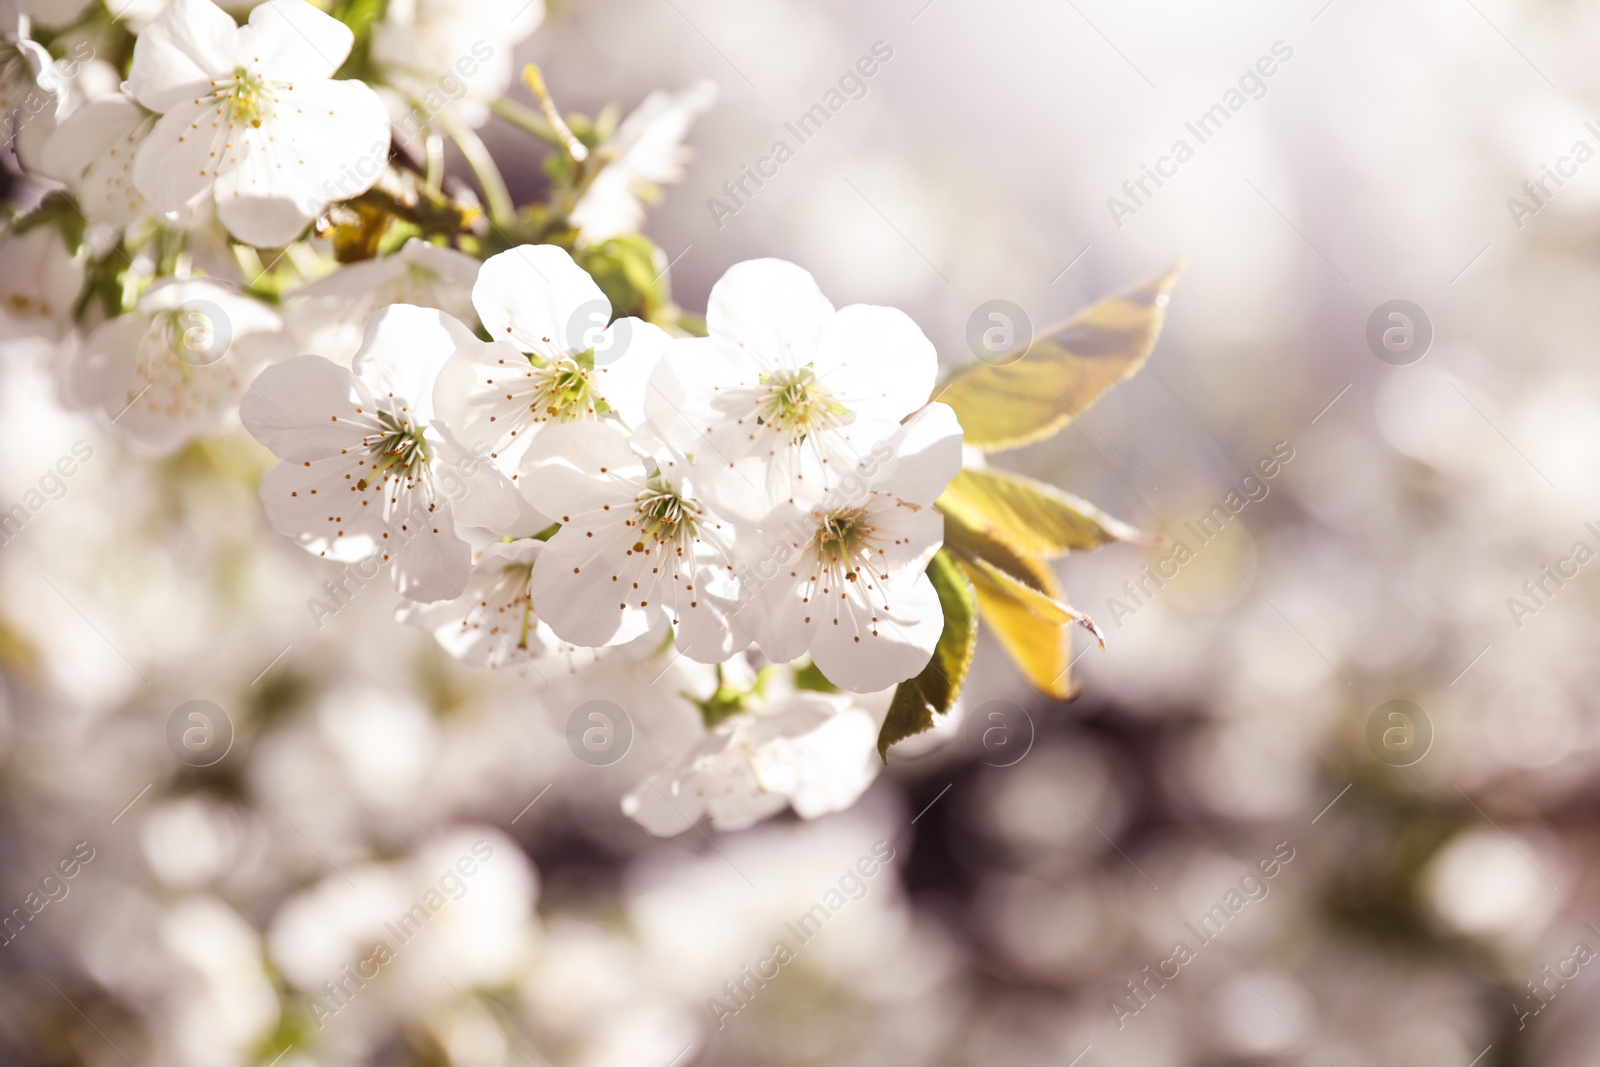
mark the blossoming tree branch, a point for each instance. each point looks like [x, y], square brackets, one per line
[502, 403]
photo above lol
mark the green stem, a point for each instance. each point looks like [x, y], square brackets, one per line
[526, 119]
[495, 195]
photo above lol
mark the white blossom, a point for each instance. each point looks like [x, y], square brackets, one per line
[330, 314]
[554, 358]
[634, 547]
[493, 623]
[365, 471]
[844, 579]
[815, 752]
[786, 395]
[176, 366]
[251, 116]
[647, 152]
[453, 53]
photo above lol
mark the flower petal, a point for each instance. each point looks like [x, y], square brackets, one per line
[624, 358]
[306, 409]
[536, 297]
[877, 361]
[771, 309]
[289, 40]
[479, 493]
[316, 503]
[577, 468]
[567, 596]
[176, 57]
[927, 456]
[404, 348]
[179, 158]
[863, 648]
[431, 561]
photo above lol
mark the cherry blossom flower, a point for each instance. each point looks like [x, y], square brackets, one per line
[648, 152]
[634, 545]
[844, 579]
[554, 359]
[40, 280]
[365, 469]
[252, 116]
[493, 624]
[453, 53]
[176, 367]
[330, 314]
[786, 395]
[815, 752]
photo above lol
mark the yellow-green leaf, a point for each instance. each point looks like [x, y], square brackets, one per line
[1007, 404]
[1038, 519]
[932, 692]
[1033, 629]
[968, 542]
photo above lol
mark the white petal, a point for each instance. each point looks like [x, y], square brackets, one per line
[404, 348]
[307, 409]
[289, 40]
[574, 592]
[178, 55]
[820, 752]
[536, 297]
[770, 308]
[877, 361]
[926, 456]
[624, 358]
[579, 468]
[178, 160]
[706, 628]
[316, 503]
[863, 648]
[431, 562]
[481, 393]
[93, 151]
[102, 373]
[479, 493]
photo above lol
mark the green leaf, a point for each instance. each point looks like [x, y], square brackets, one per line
[968, 543]
[1039, 519]
[1033, 627]
[931, 693]
[1009, 404]
[1019, 599]
[630, 270]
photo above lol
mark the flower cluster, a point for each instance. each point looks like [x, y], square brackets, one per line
[257, 222]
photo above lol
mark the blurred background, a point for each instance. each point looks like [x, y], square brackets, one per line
[1345, 755]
